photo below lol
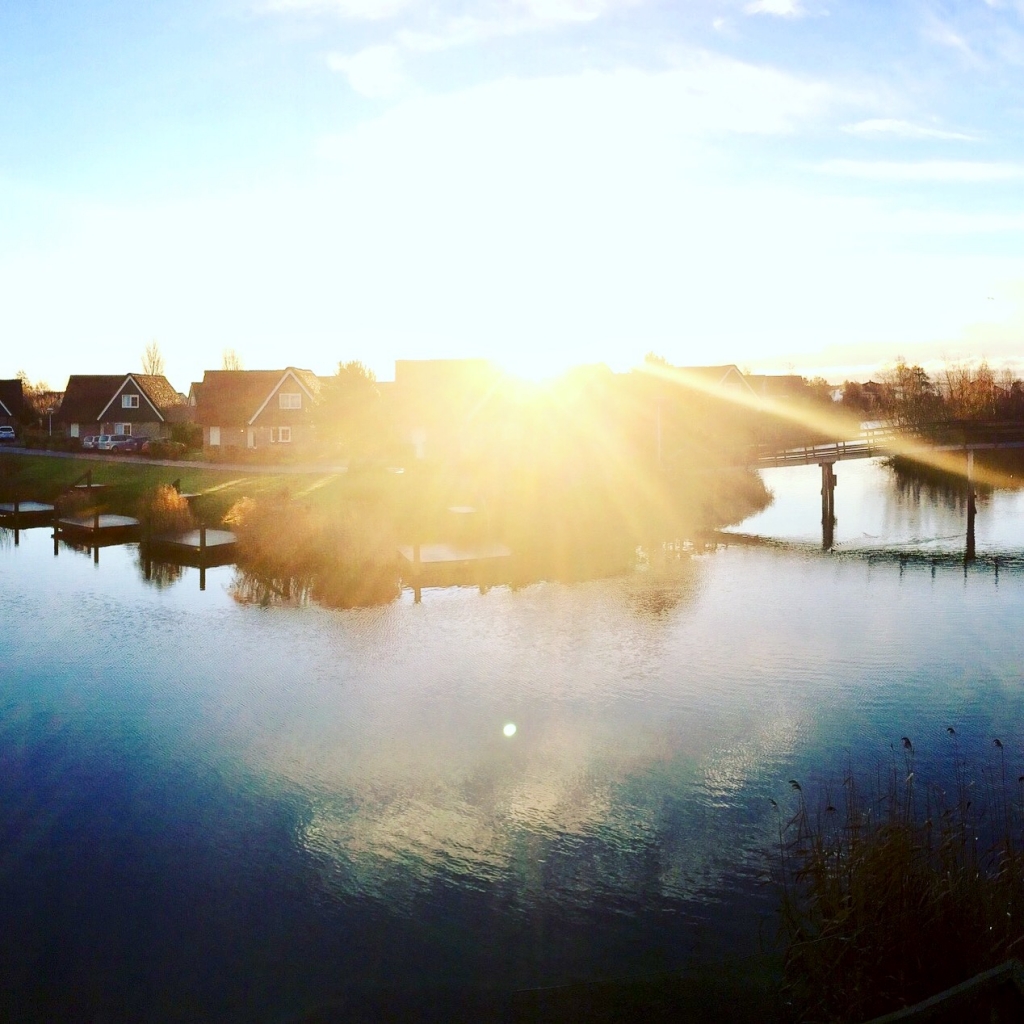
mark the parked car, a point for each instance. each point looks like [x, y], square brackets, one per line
[7, 435]
[89, 441]
[103, 442]
[126, 443]
[162, 448]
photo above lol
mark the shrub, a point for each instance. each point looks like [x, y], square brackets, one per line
[343, 558]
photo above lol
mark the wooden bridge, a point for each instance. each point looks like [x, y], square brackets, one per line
[923, 445]
[878, 442]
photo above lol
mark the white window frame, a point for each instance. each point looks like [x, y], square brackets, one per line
[129, 401]
[214, 437]
[280, 435]
[289, 400]
[123, 428]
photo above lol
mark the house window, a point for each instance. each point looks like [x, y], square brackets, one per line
[129, 401]
[289, 401]
[280, 435]
[214, 436]
[123, 428]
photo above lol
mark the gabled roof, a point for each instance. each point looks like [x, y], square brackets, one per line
[236, 397]
[11, 397]
[88, 395]
[708, 379]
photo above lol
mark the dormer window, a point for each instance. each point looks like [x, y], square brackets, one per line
[289, 401]
[129, 401]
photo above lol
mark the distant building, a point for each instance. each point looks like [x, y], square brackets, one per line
[136, 403]
[439, 404]
[255, 408]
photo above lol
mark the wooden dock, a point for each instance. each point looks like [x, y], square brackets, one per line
[23, 515]
[200, 547]
[483, 564]
[99, 529]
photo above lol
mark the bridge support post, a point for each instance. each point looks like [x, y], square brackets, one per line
[971, 506]
[828, 505]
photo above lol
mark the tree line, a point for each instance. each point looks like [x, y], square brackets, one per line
[911, 398]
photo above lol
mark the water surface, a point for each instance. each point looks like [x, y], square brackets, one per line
[215, 810]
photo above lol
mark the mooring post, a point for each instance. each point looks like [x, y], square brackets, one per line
[971, 506]
[828, 505]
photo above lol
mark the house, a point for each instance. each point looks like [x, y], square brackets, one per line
[136, 403]
[12, 402]
[445, 408]
[255, 408]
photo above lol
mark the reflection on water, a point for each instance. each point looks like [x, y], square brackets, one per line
[247, 807]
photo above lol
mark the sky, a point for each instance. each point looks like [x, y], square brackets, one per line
[811, 186]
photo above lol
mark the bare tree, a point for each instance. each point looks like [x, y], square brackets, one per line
[152, 359]
[231, 360]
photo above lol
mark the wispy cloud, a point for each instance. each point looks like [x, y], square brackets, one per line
[375, 72]
[904, 129]
[356, 10]
[780, 8]
[925, 170]
[943, 34]
[489, 20]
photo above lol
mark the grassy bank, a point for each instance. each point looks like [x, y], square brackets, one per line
[44, 478]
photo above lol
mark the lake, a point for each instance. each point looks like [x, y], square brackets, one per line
[213, 810]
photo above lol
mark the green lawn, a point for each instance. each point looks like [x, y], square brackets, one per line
[43, 478]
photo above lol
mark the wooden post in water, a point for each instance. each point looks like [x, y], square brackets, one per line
[828, 505]
[971, 506]
[202, 542]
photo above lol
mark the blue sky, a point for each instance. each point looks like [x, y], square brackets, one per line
[786, 184]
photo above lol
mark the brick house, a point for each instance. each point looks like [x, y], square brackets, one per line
[12, 402]
[138, 404]
[255, 408]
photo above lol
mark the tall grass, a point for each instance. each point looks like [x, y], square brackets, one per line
[895, 890]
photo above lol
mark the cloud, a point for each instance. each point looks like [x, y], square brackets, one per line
[924, 170]
[780, 8]
[903, 129]
[375, 72]
[489, 20]
[944, 35]
[355, 10]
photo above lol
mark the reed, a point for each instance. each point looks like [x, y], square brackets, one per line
[895, 890]
[165, 511]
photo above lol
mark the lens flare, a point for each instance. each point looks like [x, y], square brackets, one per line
[510, 729]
